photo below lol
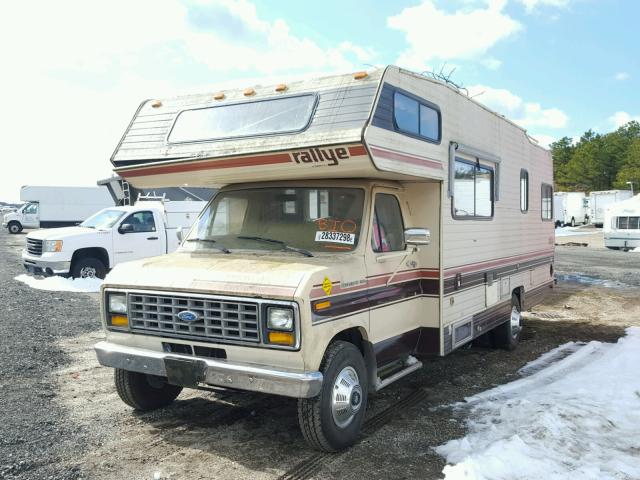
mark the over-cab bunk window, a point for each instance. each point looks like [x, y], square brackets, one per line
[472, 190]
[248, 119]
[416, 118]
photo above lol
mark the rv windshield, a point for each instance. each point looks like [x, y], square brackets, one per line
[103, 219]
[297, 219]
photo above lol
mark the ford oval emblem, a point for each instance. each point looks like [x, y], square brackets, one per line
[188, 316]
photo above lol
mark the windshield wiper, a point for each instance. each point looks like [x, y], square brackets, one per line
[289, 248]
[209, 240]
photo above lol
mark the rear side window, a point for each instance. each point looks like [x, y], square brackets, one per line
[472, 190]
[388, 227]
[416, 118]
[547, 202]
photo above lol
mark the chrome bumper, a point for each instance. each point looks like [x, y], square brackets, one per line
[220, 373]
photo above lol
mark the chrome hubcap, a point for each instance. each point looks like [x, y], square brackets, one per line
[346, 398]
[88, 272]
[516, 322]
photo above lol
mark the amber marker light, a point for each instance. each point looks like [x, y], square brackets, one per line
[360, 75]
[281, 87]
[156, 104]
[282, 338]
[249, 91]
[219, 96]
[322, 305]
[119, 321]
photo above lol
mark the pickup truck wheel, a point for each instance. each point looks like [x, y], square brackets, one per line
[508, 334]
[14, 227]
[331, 421]
[144, 392]
[88, 267]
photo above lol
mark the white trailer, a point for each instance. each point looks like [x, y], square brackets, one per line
[570, 208]
[49, 207]
[601, 200]
[621, 225]
[363, 220]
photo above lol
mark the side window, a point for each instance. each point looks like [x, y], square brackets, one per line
[33, 208]
[472, 190]
[524, 191]
[388, 227]
[141, 221]
[416, 118]
[547, 202]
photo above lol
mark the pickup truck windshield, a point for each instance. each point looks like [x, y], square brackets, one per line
[103, 219]
[284, 218]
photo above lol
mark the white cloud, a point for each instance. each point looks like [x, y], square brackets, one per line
[531, 5]
[619, 119]
[467, 33]
[526, 114]
[544, 140]
[622, 76]
[80, 68]
[491, 63]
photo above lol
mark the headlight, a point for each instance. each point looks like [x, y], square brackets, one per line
[280, 318]
[52, 246]
[118, 303]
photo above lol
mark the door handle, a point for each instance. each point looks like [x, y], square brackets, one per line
[152, 238]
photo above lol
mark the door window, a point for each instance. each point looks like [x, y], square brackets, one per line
[33, 208]
[141, 221]
[388, 228]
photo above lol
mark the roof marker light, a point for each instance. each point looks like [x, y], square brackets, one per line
[156, 104]
[281, 87]
[249, 91]
[218, 96]
[360, 75]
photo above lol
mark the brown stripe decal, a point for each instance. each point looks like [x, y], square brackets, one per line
[452, 271]
[405, 157]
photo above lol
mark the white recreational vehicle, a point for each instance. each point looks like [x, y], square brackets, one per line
[570, 208]
[600, 201]
[363, 220]
[622, 225]
[48, 207]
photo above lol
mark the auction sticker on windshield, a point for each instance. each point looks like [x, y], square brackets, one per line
[336, 237]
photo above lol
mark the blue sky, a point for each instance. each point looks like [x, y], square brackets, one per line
[79, 68]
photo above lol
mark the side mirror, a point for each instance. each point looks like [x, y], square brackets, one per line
[417, 236]
[125, 228]
[180, 234]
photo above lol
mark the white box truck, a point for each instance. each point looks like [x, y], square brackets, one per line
[109, 237]
[570, 208]
[345, 243]
[48, 207]
[601, 200]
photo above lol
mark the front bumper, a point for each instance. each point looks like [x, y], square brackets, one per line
[622, 242]
[242, 376]
[40, 266]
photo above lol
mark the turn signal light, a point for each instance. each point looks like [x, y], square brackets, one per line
[119, 321]
[156, 104]
[248, 92]
[360, 75]
[281, 338]
[322, 305]
[218, 96]
[281, 87]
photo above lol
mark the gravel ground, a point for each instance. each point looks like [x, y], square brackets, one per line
[61, 419]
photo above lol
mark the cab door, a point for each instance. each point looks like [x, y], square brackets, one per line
[393, 280]
[139, 235]
[31, 216]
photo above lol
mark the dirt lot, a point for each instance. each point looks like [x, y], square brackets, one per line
[60, 417]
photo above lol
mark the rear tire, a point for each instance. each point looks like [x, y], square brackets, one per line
[14, 227]
[144, 392]
[332, 420]
[507, 335]
[88, 267]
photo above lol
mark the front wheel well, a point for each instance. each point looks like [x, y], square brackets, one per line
[94, 252]
[358, 337]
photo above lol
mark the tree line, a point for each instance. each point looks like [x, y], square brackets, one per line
[598, 161]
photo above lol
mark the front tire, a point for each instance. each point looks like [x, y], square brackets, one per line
[14, 228]
[507, 335]
[144, 392]
[88, 267]
[332, 421]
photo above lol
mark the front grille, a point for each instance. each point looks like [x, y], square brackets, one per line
[218, 319]
[34, 247]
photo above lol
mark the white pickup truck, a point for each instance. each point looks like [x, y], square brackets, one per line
[111, 236]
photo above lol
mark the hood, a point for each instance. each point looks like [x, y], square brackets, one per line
[216, 273]
[62, 233]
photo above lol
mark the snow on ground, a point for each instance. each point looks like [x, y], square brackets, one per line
[571, 231]
[61, 284]
[588, 280]
[578, 417]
